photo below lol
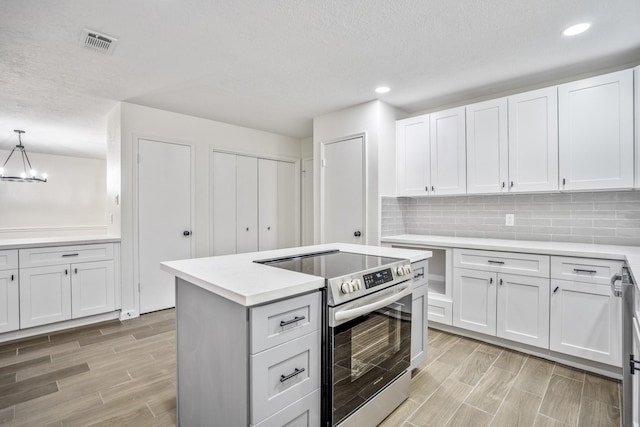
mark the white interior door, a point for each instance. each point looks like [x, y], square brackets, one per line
[164, 215]
[267, 204]
[223, 203]
[307, 201]
[287, 205]
[247, 204]
[343, 192]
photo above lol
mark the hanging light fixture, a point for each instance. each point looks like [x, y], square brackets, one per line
[24, 176]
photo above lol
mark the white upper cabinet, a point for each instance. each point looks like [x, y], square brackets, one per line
[596, 132]
[412, 151]
[533, 141]
[448, 157]
[487, 148]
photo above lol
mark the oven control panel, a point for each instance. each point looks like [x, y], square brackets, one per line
[378, 278]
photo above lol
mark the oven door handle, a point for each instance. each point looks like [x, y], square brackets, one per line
[349, 314]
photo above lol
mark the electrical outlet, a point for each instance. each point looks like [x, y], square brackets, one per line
[509, 220]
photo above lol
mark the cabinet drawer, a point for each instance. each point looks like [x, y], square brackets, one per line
[276, 323]
[420, 270]
[303, 413]
[284, 374]
[584, 269]
[502, 262]
[57, 255]
[9, 259]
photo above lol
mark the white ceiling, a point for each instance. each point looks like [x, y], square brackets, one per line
[274, 65]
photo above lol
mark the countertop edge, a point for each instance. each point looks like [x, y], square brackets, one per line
[26, 243]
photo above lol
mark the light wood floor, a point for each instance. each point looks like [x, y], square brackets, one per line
[123, 374]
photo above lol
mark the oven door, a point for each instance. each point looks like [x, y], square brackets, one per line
[369, 347]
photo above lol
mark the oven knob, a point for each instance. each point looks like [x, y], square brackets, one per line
[358, 284]
[400, 271]
[407, 269]
[345, 288]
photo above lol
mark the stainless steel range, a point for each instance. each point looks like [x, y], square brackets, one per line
[367, 334]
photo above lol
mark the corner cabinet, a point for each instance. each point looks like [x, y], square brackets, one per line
[9, 291]
[596, 132]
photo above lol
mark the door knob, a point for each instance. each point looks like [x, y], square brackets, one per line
[186, 233]
[357, 234]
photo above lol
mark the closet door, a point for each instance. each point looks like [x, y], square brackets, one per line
[223, 207]
[287, 212]
[246, 204]
[267, 204]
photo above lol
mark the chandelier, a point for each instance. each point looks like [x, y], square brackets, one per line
[24, 177]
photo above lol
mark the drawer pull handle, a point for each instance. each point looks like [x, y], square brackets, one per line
[632, 364]
[418, 275]
[68, 255]
[580, 270]
[556, 289]
[495, 262]
[295, 373]
[294, 320]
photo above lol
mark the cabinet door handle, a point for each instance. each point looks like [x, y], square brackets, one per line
[68, 255]
[426, 188]
[556, 289]
[495, 262]
[269, 228]
[564, 181]
[500, 282]
[511, 184]
[12, 278]
[433, 188]
[295, 372]
[294, 320]
[503, 184]
[66, 272]
[490, 280]
[579, 270]
[75, 270]
[247, 228]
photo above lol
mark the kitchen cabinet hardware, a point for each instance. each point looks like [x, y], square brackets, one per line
[418, 275]
[247, 228]
[503, 184]
[357, 234]
[294, 320]
[69, 255]
[564, 181]
[490, 280]
[426, 188]
[511, 184]
[295, 373]
[186, 233]
[500, 282]
[66, 272]
[556, 289]
[433, 188]
[632, 364]
[268, 228]
[12, 277]
[580, 270]
[490, 261]
[75, 270]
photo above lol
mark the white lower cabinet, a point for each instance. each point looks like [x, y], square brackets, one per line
[586, 321]
[92, 290]
[419, 336]
[303, 413]
[474, 300]
[9, 301]
[635, 411]
[523, 309]
[45, 295]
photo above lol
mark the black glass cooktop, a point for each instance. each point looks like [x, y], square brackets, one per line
[330, 264]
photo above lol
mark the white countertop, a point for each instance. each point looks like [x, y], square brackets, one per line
[239, 279]
[630, 254]
[39, 242]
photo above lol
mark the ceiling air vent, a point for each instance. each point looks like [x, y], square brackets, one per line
[98, 42]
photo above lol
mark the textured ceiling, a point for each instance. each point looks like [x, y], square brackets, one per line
[274, 65]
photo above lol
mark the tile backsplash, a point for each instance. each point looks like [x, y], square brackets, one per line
[611, 217]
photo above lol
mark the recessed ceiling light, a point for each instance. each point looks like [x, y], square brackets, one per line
[382, 89]
[576, 29]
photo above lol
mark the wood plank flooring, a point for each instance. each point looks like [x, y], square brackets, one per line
[123, 373]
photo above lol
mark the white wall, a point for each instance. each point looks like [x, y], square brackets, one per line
[114, 170]
[203, 135]
[376, 120]
[72, 202]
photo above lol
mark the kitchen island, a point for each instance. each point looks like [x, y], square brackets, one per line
[236, 339]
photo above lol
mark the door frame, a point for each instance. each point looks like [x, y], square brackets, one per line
[304, 216]
[365, 184]
[239, 152]
[136, 208]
